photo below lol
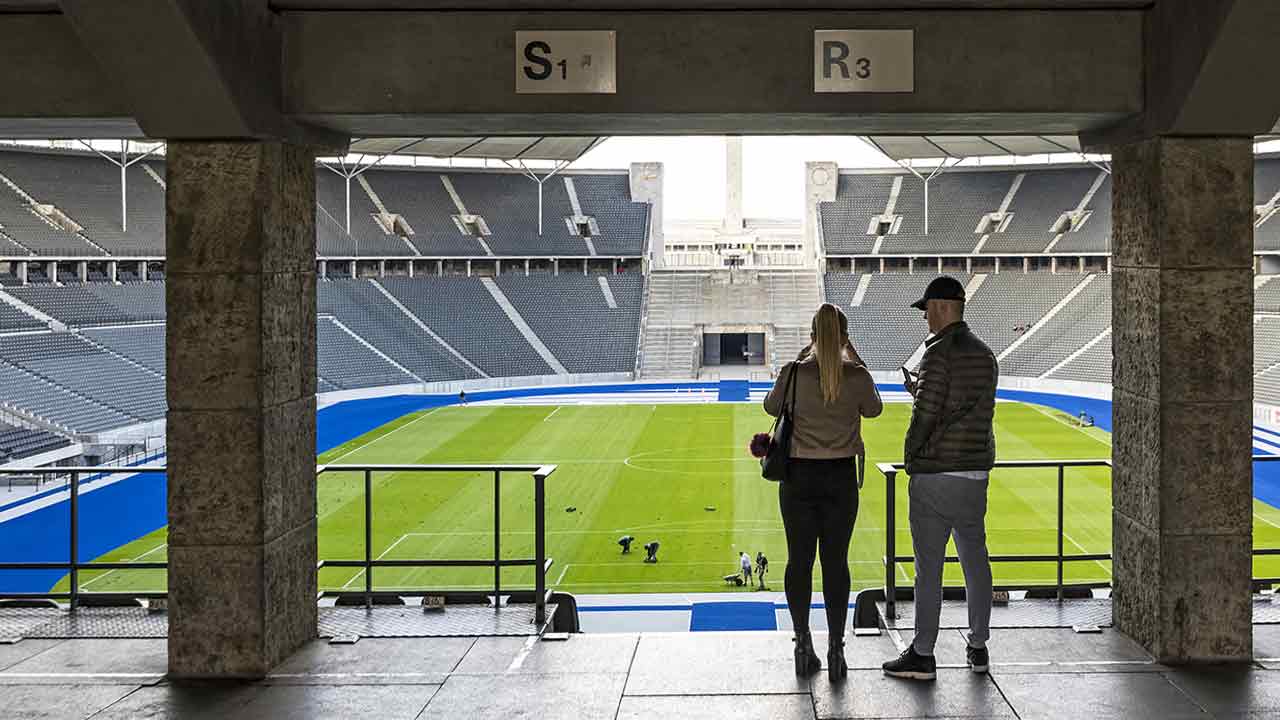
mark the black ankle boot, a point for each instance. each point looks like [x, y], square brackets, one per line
[807, 662]
[837, 668]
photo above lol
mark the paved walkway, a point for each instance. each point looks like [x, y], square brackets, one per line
[1042, 673]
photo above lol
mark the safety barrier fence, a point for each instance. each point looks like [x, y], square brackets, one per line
[891, 559]
[73, 566]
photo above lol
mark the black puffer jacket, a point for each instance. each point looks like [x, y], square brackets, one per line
[951, 420]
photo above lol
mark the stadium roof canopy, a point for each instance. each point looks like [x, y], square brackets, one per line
[912, 147]
[559, 149]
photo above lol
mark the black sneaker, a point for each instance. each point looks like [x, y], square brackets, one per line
[912, 665]
[978, 659]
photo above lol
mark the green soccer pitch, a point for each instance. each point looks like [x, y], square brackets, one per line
[679, 474]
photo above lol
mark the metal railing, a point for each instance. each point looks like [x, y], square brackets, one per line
[891, 557]
[79, 474]
[1264, 552]
[72, 565]
[540, 562]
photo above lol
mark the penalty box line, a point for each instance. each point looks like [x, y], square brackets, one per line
[381, 555]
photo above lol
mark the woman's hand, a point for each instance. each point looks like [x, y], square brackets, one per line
[853, 354]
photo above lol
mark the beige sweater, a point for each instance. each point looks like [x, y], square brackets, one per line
[826, 431]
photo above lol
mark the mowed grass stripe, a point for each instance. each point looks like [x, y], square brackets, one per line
[651, 471]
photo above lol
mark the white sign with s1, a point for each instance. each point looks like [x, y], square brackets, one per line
[566, 61]
[857, 61]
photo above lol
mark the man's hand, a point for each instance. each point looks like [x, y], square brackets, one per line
[910, 381]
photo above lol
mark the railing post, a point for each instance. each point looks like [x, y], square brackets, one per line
[890, 545]
[75, 540]
[539, 549]
[368, 539]
[497, 539]
[1061, 531]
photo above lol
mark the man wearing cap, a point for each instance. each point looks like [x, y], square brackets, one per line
[949, 451]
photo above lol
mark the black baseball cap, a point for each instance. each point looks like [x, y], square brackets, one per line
[942, 287]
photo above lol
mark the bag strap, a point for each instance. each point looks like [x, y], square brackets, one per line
[789, 389]
[793, 381]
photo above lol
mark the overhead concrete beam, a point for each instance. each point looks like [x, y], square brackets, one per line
[52, 88]
[1015, 71]
[192, 68]
[1206, 65]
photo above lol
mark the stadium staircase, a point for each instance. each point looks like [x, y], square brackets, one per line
[682, 303]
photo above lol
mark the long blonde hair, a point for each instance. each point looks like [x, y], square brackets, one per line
[830, 333]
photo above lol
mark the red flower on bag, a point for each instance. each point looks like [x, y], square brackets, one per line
[759, 446]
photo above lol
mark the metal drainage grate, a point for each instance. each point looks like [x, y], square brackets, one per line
[61, 624]
[412, 621]
[1017, 614]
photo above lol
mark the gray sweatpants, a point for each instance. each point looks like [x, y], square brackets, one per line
[943, 506]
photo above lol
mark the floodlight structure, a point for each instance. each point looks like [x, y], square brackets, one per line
[955, 149]
[124, 163]
[514, 152]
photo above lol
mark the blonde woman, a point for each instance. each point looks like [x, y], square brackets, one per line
[819, 498]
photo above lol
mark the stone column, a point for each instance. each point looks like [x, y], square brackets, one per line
[1183, 384]
[241, 354]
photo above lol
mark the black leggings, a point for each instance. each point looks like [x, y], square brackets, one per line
[819, 502]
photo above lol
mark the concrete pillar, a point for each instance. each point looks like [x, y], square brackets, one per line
[555, 266]
[526, 267]
[241, 348]
[142, 270]
[468, 268]
[733, 184]
[322, 268]
[439, 268]
[112, 267]
[646, 186]
[82, 270]
[22, 272]
[820, 181]
[1183, 385]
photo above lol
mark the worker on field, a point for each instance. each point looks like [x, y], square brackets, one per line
[651, 551]
[762, 566]
[744, 560]
[625, 541]
[949, 451]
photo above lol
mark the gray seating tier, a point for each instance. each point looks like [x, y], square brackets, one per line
[462, 312]
[564, 311]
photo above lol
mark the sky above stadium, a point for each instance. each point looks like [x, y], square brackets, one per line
[773, 170]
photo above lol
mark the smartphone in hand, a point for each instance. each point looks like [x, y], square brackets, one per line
[908, 380]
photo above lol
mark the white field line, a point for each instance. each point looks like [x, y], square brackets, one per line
[1077, 428]
[91, 581]
[425, 415]
[1082, 549]
[380, 556]
[563, 570]
[553, 412]
[1256, 515]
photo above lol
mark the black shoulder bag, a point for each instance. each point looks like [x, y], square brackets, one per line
[775, 465]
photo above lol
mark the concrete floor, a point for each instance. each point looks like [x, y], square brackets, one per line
[1044, 673]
